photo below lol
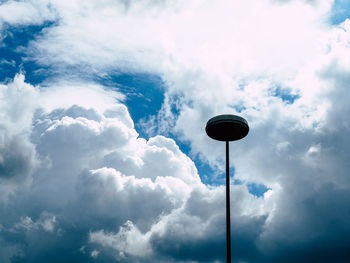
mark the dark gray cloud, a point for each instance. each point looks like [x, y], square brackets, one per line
[198, 232]
[16, 158]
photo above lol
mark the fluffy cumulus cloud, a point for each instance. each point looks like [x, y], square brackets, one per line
[77, 181]
[95, 190]
[17, 157]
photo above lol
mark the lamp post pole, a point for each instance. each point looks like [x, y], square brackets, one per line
[227, 128]
[228, 213]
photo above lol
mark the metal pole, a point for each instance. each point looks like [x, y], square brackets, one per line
[228, 215]
[227, 128]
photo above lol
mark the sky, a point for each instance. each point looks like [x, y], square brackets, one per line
[103, 152]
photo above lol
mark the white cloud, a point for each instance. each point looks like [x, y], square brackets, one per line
[94, 174]
[128, 240]
[95, 253]
[65, 94]
[46, 222]
[26, 12]
[235, 38]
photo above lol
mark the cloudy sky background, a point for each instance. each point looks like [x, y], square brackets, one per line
[103, 154]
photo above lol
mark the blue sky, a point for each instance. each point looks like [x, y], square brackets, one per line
[340, 11]
[103, 154]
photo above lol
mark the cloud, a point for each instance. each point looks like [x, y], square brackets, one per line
[128, 240]
[46, 222]
[17, 153]
[97, 185]
[219, 39]
[93, 176]
[88, 188]
[193, 231]
[25, 12]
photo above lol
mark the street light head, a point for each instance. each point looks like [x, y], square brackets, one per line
[227, 127]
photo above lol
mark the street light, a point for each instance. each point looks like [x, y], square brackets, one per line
[227, 128]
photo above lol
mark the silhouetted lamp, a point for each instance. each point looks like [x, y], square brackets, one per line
[227, 128]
